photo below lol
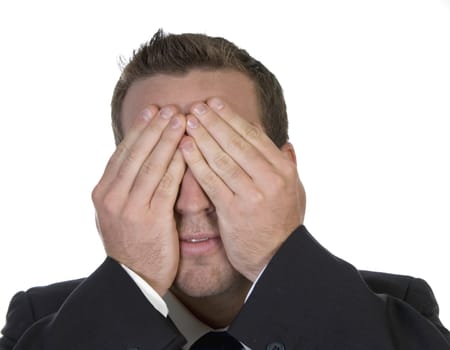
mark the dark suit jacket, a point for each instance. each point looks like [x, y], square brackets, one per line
[306, 299]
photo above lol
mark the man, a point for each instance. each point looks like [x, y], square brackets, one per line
[201, 205]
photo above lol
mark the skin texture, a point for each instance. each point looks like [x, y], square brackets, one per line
[196, 164]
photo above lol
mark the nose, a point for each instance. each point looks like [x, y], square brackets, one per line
[191, 198]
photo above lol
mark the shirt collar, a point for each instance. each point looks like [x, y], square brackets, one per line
[184, 320]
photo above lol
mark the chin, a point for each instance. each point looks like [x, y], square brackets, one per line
[200, 281]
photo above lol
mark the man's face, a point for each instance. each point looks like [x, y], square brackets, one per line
[204, 268]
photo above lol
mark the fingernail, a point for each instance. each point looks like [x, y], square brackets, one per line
[200, 109]
[147, 114]
[166, 112]
[175, 122]
[216, 103]
[192, 122]
[187, 146]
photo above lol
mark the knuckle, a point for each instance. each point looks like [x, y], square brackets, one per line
[277, 183]
[195, 158]
[238, 142]
[166, 183]
[209, 182]
[108, 204]
[289, 169]
[126, 166]
[121, 149]
[252, 132]
[226, 164]
[148, 168]
[130, 157]
[222, 161]
[121, 175]
[256, 198]
[97, 193]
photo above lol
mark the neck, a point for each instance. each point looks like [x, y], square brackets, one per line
[216, 311]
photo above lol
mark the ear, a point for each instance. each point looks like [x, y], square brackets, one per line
[289, 152]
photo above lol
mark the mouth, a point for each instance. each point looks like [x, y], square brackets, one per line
[196, 240]
[199, 244]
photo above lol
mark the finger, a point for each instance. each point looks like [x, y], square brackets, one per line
[213, 186]
[135, 155]
[241, 150]
[166, 193]
[254, 134]
[130, 138]
[155, 165]
[223, 165]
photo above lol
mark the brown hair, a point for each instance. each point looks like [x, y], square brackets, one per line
[179, 53]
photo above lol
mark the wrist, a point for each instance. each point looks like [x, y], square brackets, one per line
[149, 292]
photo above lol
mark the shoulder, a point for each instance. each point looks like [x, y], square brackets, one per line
[45, 300]
[414, 291]
[27, 307]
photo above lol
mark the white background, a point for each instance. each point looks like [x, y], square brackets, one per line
[368, 90]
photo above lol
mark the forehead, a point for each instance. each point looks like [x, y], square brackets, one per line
[183, 90]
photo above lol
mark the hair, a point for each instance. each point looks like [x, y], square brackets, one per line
[179, 53]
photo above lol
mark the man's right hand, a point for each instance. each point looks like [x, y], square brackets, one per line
[135, 197]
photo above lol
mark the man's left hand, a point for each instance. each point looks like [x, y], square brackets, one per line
[253, 184]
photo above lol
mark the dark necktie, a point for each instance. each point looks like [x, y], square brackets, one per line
[216, 341]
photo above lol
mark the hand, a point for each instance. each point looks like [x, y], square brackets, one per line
[134, 199]
[253, 184]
